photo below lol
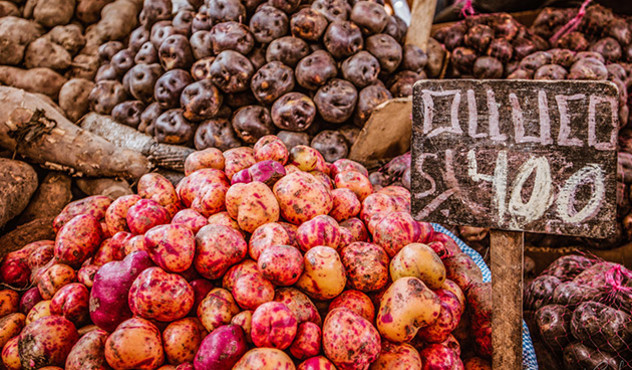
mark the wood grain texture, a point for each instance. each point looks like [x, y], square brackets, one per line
[422, 15]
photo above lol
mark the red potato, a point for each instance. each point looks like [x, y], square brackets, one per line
[135, 244]
[221, 349]
[451, 286]
[349, 340]
[252, 205]
[290, 229]
[135, 344]
[9, 302]
[321, 230]
[77, 240]
[307, 341]
[252, 290]
[449, 318]
[223, 218]
[14, 270]
[156, 187]
[116, 214]
[316, 363]
[463, 271]
[366, 265]
[218, 248]
[41, 309]
[11, 355]
[302, 197]
[171, 247]
[28, 300]
[145, 214]
[272, 148]
[273, 325]
[43, 251]
[307, 159]
[207, 158]
[54, 278]
[88, 352]
[265, 236]
[376, 204]
[265, 359]
[355, 301]
[157, 295]
[46, 342]
[234, 273]
[201, 287]
[112, 249]
[397, 357]
[204, 191]
[451, 248]
[356, 182]
[244, 321]
[190, 219]
[324, 178]
[344, 165]
[400, 195]
[438, 357]
[345, 204]
[267, 172]
[357, 228]
[299, 303]
[238, 159]
[324, 274]
[217, 309]
[95, 206]
[452, 343]
[281, 264]
[479, 303]
[10, 326]
[396, 230]
[346, 238]
[181, 340]
[71, 302]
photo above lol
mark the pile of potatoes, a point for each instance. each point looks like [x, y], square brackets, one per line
[260, 258]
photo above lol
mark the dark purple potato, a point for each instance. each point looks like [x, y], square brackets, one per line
[588, 69]
[571, 294]
[122, 61]
[505, 26]
[563, 57]
[201, 44]
[268, 24]
[271, 82]
[169, 87]
[620, 30]
[609, 48]
[413, 58]
[540, 43]
[402, 83]
[616, 71]
[343, 39]
[287, 50]
[137, 38]
[231, 36]
[107, 50]
[369, 16]
[553, 322]
[396, 28]
[224, 112]
[288, 6]
[369, 98]
[160, 31]
[155, 11]
[216, 133]
[183, 20]
[596, 18]
[603, 327]
[106, 95]
[574, 41]
[251, 5]
[125, 81]
[589, 54]
[315, 70]
[143, 78]
[333, 10]
[202, 20]
[200, 100]
[292, 139]
[500, 49]
[536, 60]
[202, 68]
[239, 99]
[293, 112]
[387, 51]
[523, 47]
[226, 10]
[128, 112]
[454, 35]
[511, 67]
[231, 71]
[350, 133]
[580, 356]
[331, 144]
[550, 72]
[147, 54]
[361, 69]
[463, 59]
[148, 118]
[175, 52]
[106, 72]
[172, 128]
[252, 122]
[308, 24]
[479, 37]
[540, 291]
[336, 100]
[258, 57]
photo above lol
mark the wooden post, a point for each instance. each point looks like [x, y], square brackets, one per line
[422, 15]
[507, 261]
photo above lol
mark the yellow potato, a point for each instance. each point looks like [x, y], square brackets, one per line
[324, 275]
[41, 309]
[10, 326]
[420, 261]
[397, 357]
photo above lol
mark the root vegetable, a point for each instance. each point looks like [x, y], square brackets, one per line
[36, 80]
[16, 34]
[43, 53]
[19, 183]
[73, 98]
[51, 13]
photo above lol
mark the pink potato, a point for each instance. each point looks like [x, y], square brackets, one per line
[463, 271]
[346, 204]
[207, 158]
[252, 205]
[157, 295]
[324, 274]
[356, 182]
[281, 264]
[357, 228]
[221, 349]
[156, 187]
[9, 302]
[301, 306]
[290, 229]
[265, 236]
[438, 357]
[43, 251]
[397, 357]
[190, 219]
[46, 342]
[238, 159]
[185, 366]
[252, 290]
[204, 191]
[302, 197]
[452, 343]
[218, 248]
[86, 274]
[111, 249]
[265, 359]
[235, 272]
[54, 278]
[324, 179]
[244, 321]
[307, 341]
[355, 301]
[71, 302]
[109, 294]
[145, 214]
[366, 265]
[316, 363]
[136, 243]
[182, 339]
[320, 230]
[14, 270]
[217, 309]
[449, 244]
[400, 195]
[273, 325]
[344, 165]
[346, 238]
[349, 340]
[89, 352]
[77, 240]
[223, 218]
[172, 247]
[448, 320]
[201, 287]
[11, 354]
[135, 344]
[396, 230]
[451, 286]
[29, 299]
[116, 214]
[94, 206]
[272, 148]
[267, 172]
[307, 159]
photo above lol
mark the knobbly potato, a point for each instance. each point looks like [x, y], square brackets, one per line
[252, 290]
[302, 197]
[307, 342]
[273, 325]
[349, 340]
[299, 303]
[281, 264]
[420, 261]
[271, 148]
[345, 204]
[396, 230]
[158, 295]
[449, 318]
[217, 309]
[234, 273]
[218, 248]
[324, 274]
[321, 230]
[366, 265]
[252, 204]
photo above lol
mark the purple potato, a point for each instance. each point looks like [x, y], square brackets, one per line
[201, 69]
[231, 71]
[200, 100]
[333, 10]
[128, 112]
[169, 87]
[175, 53]
[336, 100]
[226, 10]
[143, 78]
[413, 58]
[343, 39]
[252, 122]
[271, 81]
[231, 36]
[369, 16]
[172, 128]
[216, 133]
[308, 24]
[268, 24]
[148, 118]
[147, 54]
[387, 51]
[293, 112]
[106, 95]
[369, 98]
[288, 50]
[315, 70]
[331, 145]
[361, 69]
[396, 28]
[201, 44]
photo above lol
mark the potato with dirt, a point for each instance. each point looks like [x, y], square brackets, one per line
[135, 344]
[418, 260]
[355, 301]
[252, 205]
[217, 309]
[218, 248]
[158, 295]
[310, 191]
[18, 33]
[46, 342]
[88, 352]
[366, 266]
[324, 275]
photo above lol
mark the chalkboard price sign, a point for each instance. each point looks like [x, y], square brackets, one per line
[516, 155]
